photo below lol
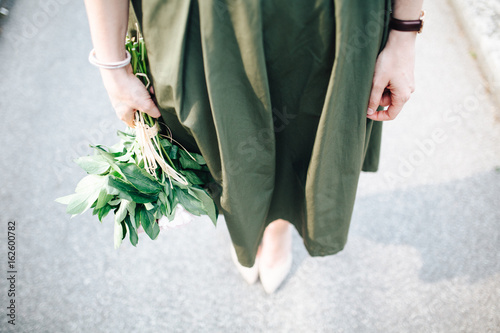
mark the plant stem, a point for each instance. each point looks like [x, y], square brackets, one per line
[138, 52]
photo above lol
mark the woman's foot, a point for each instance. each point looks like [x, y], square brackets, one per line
[276, 255]
[249, 274]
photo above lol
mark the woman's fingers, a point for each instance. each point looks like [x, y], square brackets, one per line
[151, 108]
[124, 112]
[395, 99]
[378, 87]
[128, 118]
[391, 113]
[393, 95]
[143, 102]
[128, 94]
[386, 98]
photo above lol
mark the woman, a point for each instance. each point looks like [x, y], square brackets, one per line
[280, 97]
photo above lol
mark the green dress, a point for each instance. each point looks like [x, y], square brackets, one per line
[273, 93]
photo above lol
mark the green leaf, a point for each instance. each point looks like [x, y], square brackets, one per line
[208, 203]
[94, 165]
[149, 224]
[163, 209]
[191, 177]
[91, 183]
[103, 198]
[187, 161]
[172, 199]
[108, 157]
[127, 158]
[190, 203]
[127, 191]
[118, 148]
[176, 184]
[173, 152]
[103, 212]
[166, 144]
[173, 203]
[199, 158]
[65, 200]
[134, 238]
[137, 218]
[125, 136]
[102, 150]
[165, 204]
[140, 178]
[121, 212]
[81, 202]
[131, 208]
[87, 192]
[132, 219]
[115, 202]
[119, 234]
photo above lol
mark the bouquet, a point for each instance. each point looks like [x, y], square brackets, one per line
[147, 179]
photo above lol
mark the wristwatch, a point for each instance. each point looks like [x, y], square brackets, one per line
[408, 25]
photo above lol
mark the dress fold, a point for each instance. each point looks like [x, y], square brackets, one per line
[273, 94]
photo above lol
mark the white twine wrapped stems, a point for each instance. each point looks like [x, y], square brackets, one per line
[147, 135]
[149, 144]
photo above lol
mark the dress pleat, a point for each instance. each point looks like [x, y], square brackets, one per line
[273, 94]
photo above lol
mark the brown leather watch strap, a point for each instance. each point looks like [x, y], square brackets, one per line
[407, 25]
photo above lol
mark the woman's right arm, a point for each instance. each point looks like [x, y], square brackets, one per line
[393, 81]
[108, 22]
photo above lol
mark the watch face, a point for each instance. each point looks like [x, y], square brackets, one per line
[422, 19]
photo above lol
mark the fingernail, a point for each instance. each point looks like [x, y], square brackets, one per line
[370, 112]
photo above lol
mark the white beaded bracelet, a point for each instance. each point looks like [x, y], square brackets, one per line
[109, 65]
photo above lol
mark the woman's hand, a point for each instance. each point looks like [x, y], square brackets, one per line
[108, 22]
[128, 94]
[393, 80]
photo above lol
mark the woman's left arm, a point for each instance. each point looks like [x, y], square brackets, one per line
[393, 80]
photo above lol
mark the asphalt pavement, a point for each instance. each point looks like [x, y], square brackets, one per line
[423, 251]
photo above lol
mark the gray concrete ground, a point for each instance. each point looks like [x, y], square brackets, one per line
[480, 20]
[423, 253]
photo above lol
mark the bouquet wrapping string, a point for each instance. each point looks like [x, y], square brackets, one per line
[147, 179]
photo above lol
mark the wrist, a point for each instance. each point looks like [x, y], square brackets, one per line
[115, 74]
[402, 39]
[113, 77]
[407, 10]
[403, 36]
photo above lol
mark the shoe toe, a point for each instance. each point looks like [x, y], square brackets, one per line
[272, 277]
[249, 274]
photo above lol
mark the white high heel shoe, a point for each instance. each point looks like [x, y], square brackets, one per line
[272, 277]
[250, 274]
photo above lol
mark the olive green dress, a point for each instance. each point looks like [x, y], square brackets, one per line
[273, 93]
